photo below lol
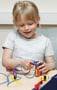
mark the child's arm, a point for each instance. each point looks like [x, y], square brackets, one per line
[48, 65]
[9, 62]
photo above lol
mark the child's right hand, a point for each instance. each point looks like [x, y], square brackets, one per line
[24, 67]
[26, 64]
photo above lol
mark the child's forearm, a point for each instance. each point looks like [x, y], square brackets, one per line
[50, 62]
[11, 63]
[51, 66]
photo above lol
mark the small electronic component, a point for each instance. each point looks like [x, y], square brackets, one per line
[37, 71]
[45, 77]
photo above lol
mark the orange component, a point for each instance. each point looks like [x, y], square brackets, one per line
[37, 72]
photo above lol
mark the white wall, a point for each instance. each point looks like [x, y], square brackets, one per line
[47, 8]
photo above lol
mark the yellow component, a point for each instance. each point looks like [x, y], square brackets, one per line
[11, 77]
[14, 82]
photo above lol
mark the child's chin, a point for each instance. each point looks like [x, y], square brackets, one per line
[28, 37]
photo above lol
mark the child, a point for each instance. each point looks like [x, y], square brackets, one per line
[25, 44]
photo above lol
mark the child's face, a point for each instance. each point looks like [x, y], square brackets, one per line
[26, 27]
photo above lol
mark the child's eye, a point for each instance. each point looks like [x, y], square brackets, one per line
[21, 25]
[30, 23]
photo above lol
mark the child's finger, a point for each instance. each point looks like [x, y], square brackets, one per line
[44, 70]
[41, 66]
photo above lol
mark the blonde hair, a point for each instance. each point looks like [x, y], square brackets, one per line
[25, 8]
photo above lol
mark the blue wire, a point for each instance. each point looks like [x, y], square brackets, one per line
[5, 80]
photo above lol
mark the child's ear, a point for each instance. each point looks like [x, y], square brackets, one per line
[37, 19]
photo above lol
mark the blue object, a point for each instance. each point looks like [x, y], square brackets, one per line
[51, 85]
[36, 63]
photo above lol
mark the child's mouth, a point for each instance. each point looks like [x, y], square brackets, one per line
[27, 32]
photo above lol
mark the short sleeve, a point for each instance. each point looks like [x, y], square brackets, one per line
[9, 41]
[49, 48]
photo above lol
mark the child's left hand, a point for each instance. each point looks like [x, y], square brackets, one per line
[44, 68]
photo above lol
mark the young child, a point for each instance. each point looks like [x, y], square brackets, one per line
[24, 44]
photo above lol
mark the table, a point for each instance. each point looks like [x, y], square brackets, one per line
[24, 83]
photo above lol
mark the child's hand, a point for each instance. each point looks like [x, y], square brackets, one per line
[44, 68]
[26, 64]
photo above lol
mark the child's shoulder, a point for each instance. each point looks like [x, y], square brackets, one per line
[12, 33]
[45, 37]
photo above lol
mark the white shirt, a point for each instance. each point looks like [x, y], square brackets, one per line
[31, 49]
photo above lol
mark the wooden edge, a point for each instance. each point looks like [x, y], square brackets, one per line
[2, 26]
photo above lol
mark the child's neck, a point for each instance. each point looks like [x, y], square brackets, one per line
[34, 36]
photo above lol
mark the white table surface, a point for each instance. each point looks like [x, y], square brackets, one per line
[24, 83]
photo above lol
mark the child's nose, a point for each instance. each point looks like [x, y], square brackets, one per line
[26, 27]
